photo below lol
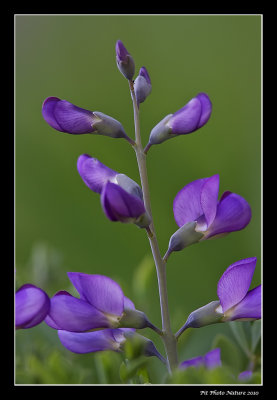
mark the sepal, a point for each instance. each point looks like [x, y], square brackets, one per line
[206, 315]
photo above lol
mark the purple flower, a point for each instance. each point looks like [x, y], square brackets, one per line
[66, 117]
[201, 216]
[32, 305]
[245, 376]
[105, 339]
[124, 60]
[142, 85]
[210, 360]
[102, 304]
[236, 301]
[121, 197]
[188, 119]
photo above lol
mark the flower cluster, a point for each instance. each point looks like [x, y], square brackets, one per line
[102, 317]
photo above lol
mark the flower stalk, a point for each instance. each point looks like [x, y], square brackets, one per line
[168, 337]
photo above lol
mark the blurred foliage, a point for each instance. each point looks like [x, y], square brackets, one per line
[41, 359]
[60, 226]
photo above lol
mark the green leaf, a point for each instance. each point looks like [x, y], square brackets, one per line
[128, 369]
[239, 333]
[143, 276]
[230, 355]
[255, 334]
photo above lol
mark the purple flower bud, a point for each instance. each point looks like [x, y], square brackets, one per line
[124, 60]
[188, 119]
[121, 197]
[142, 85]
[32, 305]
[66, 117]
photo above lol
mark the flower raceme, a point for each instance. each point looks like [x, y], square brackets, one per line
[236, 301]
[102, 304]
[66, 117]
[121, 197]
[188, 119]
[32, 305]
[200, 215]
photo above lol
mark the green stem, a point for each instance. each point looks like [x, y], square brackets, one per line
[168, 337]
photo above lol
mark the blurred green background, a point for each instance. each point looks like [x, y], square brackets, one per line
[60, 225]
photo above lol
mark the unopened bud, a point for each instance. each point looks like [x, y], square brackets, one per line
[142, 85]
[124, 60]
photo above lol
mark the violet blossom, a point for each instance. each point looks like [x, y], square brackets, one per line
[105, 339]
[201, 216]
[66, 117]
[102, 304]
[236, 301]
[188, 119]
[245, 376]
[210, 360]
[32, 305]
[121, 197]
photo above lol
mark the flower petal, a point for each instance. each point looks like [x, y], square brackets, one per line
[208, 198]
[196, 198]
[100, 291]
[193, 362]
[119, 205]
[187, 118]
[66, 117]
[249, 307]
[31, 306]
[212, 358]
[48, 109]
[206, 109]
[235, 281]
[94, 173]
[88, 342]
[72, 314]
[233, 214]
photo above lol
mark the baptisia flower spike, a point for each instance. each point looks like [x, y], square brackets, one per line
[188, 119]
[236, 301]
[124, 60]
[32, 305]
[121, 197]
[102, 304]
[66, 117]
[201, 216]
